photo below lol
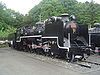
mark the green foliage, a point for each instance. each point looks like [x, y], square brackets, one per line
[5, 34]
[86, 13]
[9, 21]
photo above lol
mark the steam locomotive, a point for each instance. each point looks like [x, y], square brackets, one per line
[94, 35]
[56, 37]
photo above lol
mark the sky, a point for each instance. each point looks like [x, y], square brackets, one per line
[23, 6]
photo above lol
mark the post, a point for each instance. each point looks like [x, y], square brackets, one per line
[69, 40]
[89, 36]
[89, 40]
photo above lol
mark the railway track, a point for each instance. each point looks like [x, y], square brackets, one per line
[86, 64]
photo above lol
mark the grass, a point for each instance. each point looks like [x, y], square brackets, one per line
[3, 45]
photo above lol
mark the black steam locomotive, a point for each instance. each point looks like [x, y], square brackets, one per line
[57, 37]
[94, 34]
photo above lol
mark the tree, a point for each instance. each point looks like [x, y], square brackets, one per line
[9, 20]
[86, 13]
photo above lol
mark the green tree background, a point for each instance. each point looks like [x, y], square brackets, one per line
[86, 13]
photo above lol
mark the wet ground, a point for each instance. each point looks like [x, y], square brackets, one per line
[14, 62]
